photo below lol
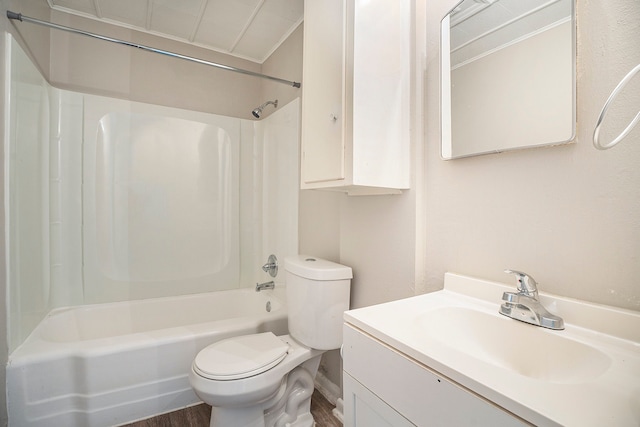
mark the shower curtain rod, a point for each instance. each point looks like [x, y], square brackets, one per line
[22, 18]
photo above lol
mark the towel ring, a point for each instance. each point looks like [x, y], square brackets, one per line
[625, 132]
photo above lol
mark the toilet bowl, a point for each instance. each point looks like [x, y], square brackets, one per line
[263, 380]
[242, 400]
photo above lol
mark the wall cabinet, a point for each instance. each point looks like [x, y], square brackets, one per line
[383, 387]
[355, 96]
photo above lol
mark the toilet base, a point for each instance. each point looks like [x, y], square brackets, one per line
[246, 417]
[291, 406]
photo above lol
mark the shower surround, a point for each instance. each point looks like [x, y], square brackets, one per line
[118, 205]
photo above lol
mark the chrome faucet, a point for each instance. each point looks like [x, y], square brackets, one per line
[271, 266]
[266, 285]
[525, 306]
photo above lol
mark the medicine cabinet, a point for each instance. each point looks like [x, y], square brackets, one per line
[508, 76]
[355, 103]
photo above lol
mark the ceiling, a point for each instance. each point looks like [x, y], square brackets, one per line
[248, 29]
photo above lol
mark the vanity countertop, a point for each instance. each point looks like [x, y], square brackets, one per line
[585, 375]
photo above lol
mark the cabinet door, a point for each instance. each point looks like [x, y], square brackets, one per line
[381, 93]
[322, 91]
[365, 409]
[418, 393]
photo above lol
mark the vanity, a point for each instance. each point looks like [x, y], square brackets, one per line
[450, 358]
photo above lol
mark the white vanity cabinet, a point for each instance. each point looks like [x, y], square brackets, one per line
[383, 387]
[355, 96]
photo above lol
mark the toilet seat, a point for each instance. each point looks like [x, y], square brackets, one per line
[240, 357]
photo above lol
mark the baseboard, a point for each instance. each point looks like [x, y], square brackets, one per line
[329, 390]
[338, 411]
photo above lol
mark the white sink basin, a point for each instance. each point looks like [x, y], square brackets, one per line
[519, 347]
[585, 375]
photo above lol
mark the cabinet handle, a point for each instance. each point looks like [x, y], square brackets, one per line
[333, 117]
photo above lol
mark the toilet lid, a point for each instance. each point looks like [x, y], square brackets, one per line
[240, 357]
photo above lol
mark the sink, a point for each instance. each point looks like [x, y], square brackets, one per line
[584, 375]
[525, 349]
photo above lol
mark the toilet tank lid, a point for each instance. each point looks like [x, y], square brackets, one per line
[313, 268]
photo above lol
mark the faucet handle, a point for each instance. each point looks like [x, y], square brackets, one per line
[526, 284]
[271, 266]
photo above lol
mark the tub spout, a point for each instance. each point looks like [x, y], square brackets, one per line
[266, 285]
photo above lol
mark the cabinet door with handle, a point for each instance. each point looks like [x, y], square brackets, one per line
[365, 409]
[323, 142]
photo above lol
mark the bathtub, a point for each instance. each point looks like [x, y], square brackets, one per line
[111, 364]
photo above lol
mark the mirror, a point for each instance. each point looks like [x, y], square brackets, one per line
[508, 76]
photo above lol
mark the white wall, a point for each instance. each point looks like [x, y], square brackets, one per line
[160, 200]
[4, 345]
[92, 66]
[284, 62]
[568, 215]
[88, 65]
[28, 196]
[276, 149]
[40, 35]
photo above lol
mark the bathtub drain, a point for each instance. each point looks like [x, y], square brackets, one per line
[268, 306]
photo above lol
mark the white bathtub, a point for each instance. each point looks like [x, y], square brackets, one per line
[111, 364]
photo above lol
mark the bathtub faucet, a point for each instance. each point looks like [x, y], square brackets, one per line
[266, 285]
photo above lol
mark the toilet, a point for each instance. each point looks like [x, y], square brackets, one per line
[264, 380]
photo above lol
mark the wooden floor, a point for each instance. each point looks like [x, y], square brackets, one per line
[198, 416]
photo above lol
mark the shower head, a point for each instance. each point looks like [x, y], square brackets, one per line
[256, 112]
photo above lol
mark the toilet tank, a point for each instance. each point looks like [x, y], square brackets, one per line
[318, 293]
